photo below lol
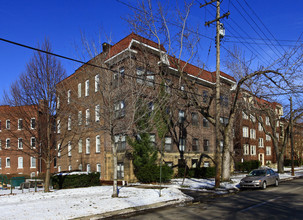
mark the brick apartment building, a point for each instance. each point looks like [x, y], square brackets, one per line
[134, 64]
[298, 143]
[250, 140]
[19, 129]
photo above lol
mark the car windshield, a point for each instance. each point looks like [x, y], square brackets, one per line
[257, 173]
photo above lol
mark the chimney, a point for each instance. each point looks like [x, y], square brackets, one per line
[106, 47]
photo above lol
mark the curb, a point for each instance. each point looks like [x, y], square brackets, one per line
[132, 210]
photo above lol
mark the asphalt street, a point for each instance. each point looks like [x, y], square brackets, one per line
[283, 202]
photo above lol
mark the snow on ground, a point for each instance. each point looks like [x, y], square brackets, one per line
[72, 203]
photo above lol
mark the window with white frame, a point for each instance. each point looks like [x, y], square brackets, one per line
[8, 162]
[80, 146]
[87, 88]
[20, 143]
[268, 138]
[58, 126]
[98, 144]
[68, 96]
[69, 167]
[268, 150]
[20, 162]
[260, 128]
[252, 133]
[33, 123]
[97, 82]
[246, 149]
[98, 168]
[267, 120]
[79, 117]
[168, 144]
[79, 90]
[152, 138]
[69, 149]
[181, 116]
[120, 170]
[253, 150]
[8, 143]
[205, 145]
[88, 168]
[20, 124]
[278, 124]
[87, 146]
[245, 131]
[80, 167]
[8, 124]
[59, 169]
[261, 142]
[119, 109]
[69, 123]
[252, 118]
[33, 142]
[33, 162]
[87, 117]
[59, 150]
[120, 142]
[244, 115]
[97, 113]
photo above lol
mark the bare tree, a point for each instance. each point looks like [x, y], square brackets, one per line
[36, 88]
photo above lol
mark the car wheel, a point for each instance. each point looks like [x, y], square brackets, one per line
[277, 183]
[263, 185]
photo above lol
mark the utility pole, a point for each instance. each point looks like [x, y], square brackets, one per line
[218, 90]
[292, 138]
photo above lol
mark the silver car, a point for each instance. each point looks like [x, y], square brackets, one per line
[260, 178]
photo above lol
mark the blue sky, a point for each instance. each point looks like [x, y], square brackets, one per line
[29, 22]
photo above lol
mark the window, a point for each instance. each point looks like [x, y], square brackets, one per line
[205, 123]
[182, 144]
[68, 96]
[0, 145]
[20, 143]
[168, 146]
[205, 96]
[55, 162]
[118, 77]
[98, 168]
[80, 146]
[58, 126]
[86, 87]
[79, 90]
[8, 143]
[33, 123]
[20, 124]
[79, 117]
[261, 143]
[245, 131]
[8, 162]
[224, 100]
[80, 166]
[148, 77]
[267, 120]
[181, 116]
[206, 164]
[260, 128]
[87, 117]
[120, 142]
[277, 135]
[268, 150]
[88, 168]
[97, 113]
[194, 119]
[252, 118]
[120, 170]
[20, 162]
[268, 138]
[69, 123]
[98, 144]
[252, 133]
[8, 124]
[33, 142]
[205, 144]
[152, 139]
[224, 120]
[244, 115]
[87, 146]
[195, 144]
[252, 149]
[245, 149]
[59, 168]
[278, 124]
[194, 163]
[168, 86]
[59, 150]
[33, 162]
[97, 82]
[69, 167]
[69, 149]
[58, 102]
[119, 109]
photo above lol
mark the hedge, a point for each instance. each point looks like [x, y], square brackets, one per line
[61, 181]
[247, 166]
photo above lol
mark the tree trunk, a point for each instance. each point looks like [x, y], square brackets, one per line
[47, 175]
[280, 164]
[226, 157]
[115, 184]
